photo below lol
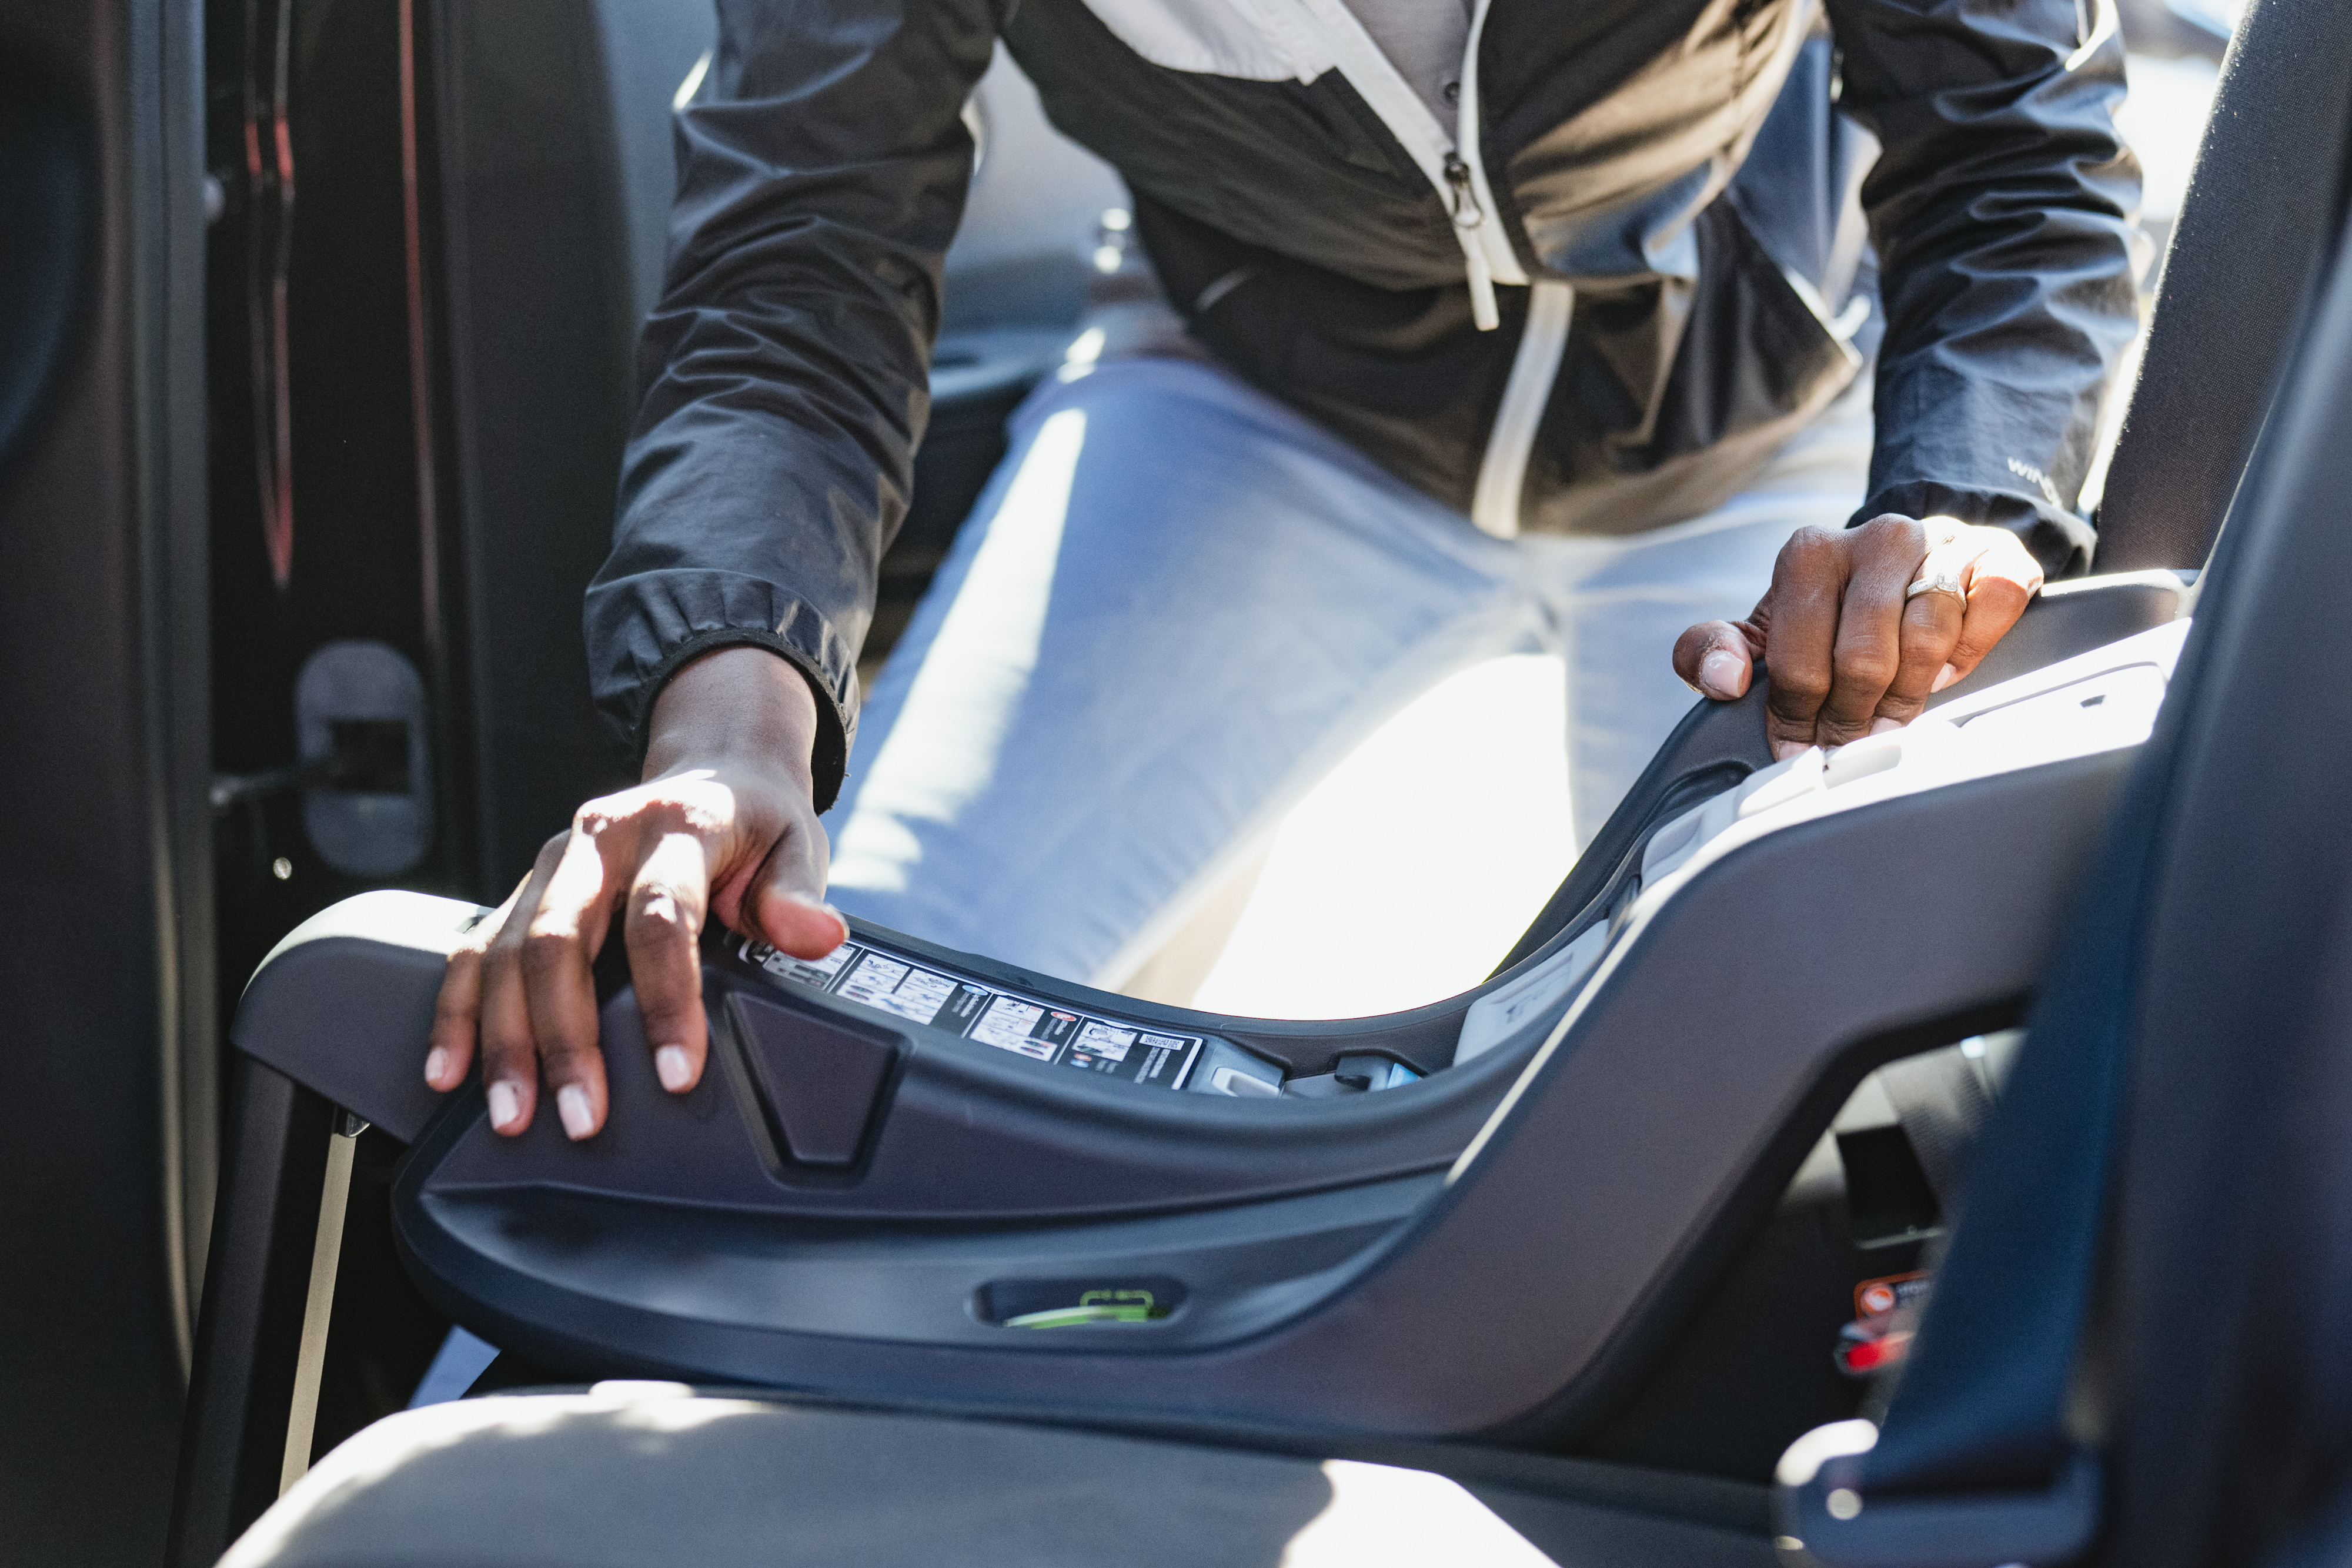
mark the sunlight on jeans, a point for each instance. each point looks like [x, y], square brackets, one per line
[1407, 875]
[961, 707]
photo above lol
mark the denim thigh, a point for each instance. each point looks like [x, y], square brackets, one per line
[1178, 603]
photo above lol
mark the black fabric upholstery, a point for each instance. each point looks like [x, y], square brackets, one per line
[2230, 1274]
[1985, 1402]
[2185, 1075]
[2261, 215]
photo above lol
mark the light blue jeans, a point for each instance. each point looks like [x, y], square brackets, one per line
[1180, 604]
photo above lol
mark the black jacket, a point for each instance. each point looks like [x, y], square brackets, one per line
[1656, 204]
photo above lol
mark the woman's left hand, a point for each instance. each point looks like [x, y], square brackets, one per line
[1848, 653]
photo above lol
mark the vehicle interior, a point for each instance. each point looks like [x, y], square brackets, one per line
[316, 358]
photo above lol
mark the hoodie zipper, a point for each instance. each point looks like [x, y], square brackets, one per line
[1460, 183]
[1472, 200]
[1454, 165]
[1469, 217]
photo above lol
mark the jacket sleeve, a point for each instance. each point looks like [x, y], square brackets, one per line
[2003, 207]
[822, 172]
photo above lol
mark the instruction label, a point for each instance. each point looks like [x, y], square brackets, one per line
[905, 988]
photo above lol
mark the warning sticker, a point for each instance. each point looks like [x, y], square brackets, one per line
[819, 974]
[1168, 1059]
[1007, 1025]
[1877, 1298]
[899, 989]
[874, 981]
[1885, 1316]
[906, 987]
[1101, 1039]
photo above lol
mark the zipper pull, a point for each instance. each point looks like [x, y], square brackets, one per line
[1483, 309]
[1467, 213]
[1468, 216]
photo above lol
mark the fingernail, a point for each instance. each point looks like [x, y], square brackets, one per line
[436, 1063]
[1944, 677]
[1784, 749]
[506, 1106]
[1718, 675]
[1881, 725]
[672, 1068]
[571, 1104]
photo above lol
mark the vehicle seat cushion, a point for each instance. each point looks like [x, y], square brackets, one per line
[638, 1474]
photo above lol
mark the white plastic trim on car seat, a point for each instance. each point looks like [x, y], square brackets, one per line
[2100, 701]
[1496, 1016]
[2096, 701]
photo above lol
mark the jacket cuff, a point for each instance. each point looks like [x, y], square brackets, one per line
[2060, 540]
[644, 628]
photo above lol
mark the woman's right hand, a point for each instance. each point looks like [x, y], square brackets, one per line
[724, 824]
